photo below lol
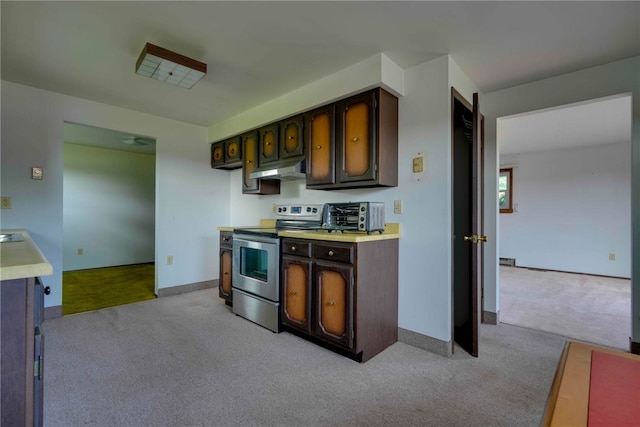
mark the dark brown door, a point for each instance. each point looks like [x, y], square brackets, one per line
[467, 226]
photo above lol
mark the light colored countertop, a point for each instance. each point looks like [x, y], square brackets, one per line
[19, 260]
[392, 231]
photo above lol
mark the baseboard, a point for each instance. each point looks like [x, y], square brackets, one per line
[191, 287]
[442, 348]
[52, 312]
[606, 276]
[634, 347]
[491, 318]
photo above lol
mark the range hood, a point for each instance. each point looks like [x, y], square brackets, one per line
[285, 170]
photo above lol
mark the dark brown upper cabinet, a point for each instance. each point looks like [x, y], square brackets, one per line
[291, 138]
[320, 146]
[366, 142]
[227, 154]
[250, 163]
[268, 144]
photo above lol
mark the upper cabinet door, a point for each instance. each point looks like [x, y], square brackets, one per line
[250, 148]
[357, 138]
[320, 145]
[233, 151]
[227, 154]
[268, 144]
[250, 164]
[217, 154]
[291, 138]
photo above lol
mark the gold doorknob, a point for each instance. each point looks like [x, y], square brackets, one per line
[332, 303]
[475, 238]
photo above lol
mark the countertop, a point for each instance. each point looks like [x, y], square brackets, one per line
[392, 231]
[19, 260]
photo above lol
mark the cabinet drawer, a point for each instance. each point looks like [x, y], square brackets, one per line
[334, 252]
[226, 239]
[296, 247]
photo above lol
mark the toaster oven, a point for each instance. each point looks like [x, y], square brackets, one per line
[353, 216]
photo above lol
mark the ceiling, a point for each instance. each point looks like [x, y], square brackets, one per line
[585, 124]
[74, 133]
[257, 51]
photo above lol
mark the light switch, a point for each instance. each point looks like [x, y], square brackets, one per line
[36, 172]
[6, 203]
[418, 164]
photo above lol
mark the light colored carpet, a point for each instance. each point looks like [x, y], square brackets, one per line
[187, 360]
[588, 308]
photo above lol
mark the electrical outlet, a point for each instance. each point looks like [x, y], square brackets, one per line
[275, 208]
[6, 202]
[612, 256]
[80, 251]
[169, 259]
[397, 206]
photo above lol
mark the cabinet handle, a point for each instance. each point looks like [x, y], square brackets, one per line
[249, 162]
[47, 290]
[293, 248]
[290, 136]
[332, 303]
[232, 151]
[319, 147]
[355, 138]
[226, 239]
[268, 144]
[294, 293]
[226, 273]
[331, 253]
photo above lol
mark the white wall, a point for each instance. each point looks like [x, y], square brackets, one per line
[573, 210]
[616, 78]
[191, 198]
[108, 207]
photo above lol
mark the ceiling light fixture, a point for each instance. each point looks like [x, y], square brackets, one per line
[170, 67]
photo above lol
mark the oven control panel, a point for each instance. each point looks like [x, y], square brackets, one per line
[293, 211]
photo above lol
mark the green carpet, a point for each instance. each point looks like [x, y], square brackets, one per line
[86, 290]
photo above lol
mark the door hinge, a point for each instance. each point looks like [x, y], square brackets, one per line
[37, 367]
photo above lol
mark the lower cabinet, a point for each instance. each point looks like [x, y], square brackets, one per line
[226, 256]
[343, 295]
[22, 352]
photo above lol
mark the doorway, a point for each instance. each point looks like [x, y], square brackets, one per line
[571, 214]
[108, 216]
[466, 131]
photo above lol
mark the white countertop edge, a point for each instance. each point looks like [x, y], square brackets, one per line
[19, 260]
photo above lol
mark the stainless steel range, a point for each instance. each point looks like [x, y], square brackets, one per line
[256, 264]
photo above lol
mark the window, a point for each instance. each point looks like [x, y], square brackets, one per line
[505, 190]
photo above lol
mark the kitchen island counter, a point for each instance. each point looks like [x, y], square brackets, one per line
[22, 259]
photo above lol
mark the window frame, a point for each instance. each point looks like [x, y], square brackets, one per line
[507, 172]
